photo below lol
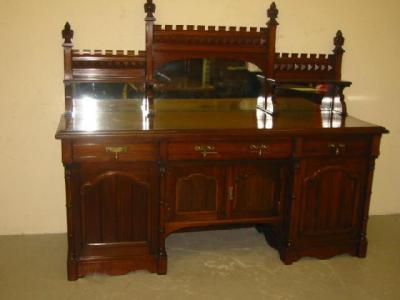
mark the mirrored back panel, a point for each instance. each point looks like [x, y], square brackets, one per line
[94, 97]
[107, 91]
[211, 78]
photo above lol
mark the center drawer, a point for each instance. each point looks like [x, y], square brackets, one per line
[87, 152]
[212, 150]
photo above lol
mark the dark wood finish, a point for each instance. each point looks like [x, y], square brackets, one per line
[328, 214]
[100, 152]
[217, 150]
[136, 172]
[194, 192]
[258, 190]
[113, 216]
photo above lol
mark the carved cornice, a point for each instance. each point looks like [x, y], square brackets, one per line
[108, 64]
[210, 35]
[108, 59]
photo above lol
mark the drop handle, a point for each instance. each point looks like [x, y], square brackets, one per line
[258, 149]
[337, 148]
[205, 150]
[116, 151]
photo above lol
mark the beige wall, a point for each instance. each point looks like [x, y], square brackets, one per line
[31, 73]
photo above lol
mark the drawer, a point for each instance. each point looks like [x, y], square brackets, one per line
[209, 150]
[114, 152]
[335, 146]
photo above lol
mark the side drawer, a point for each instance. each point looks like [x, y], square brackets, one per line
[336, 146]
[87, 152]
[211, 150]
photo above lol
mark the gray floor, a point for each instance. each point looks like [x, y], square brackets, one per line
[233, 264]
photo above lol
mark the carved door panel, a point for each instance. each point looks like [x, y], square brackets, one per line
[333, 190]
[117, 215]
[194, 191]
[257, 190]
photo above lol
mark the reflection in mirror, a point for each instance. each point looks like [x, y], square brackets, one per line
[209, 78]
[107, 91]
[264, 120]
[89, 97]
[308, 96]
[330, 119]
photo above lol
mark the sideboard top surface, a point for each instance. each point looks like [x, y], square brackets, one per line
[225, 119]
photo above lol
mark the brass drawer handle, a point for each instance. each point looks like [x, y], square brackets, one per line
[116, 151]
[337, 148]
[259, 148]
[205, 150]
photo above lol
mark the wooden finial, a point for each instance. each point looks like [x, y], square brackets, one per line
[338, 41]
[150, 9]
[67, 34]
[272, 14]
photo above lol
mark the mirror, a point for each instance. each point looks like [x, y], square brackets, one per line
[208, 78]
[107, 91]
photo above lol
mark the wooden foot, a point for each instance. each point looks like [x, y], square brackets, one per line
[72, 268]
[162, 264]
[362, 248]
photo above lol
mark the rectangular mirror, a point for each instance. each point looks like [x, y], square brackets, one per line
[208, 78]
[107, 91]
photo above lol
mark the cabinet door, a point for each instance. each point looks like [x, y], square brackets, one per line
[117, 209]
[257, 190]
[332, 192]
[194, 191]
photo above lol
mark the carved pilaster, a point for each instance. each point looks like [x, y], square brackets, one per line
[149, 9]
[338, 41]
[296, 166]
[71, 259]
[67, 176]
[363, 242]
[68, 34]
[161, 168]
[372, 164]
[272, 14]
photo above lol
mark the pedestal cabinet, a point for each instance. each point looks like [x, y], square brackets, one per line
[112, 208]
[331, 195]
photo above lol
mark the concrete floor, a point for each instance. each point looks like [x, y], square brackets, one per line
[232, 264]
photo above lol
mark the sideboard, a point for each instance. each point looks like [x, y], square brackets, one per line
[141, 168]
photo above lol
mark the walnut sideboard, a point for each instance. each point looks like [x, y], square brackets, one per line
[138, 170]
